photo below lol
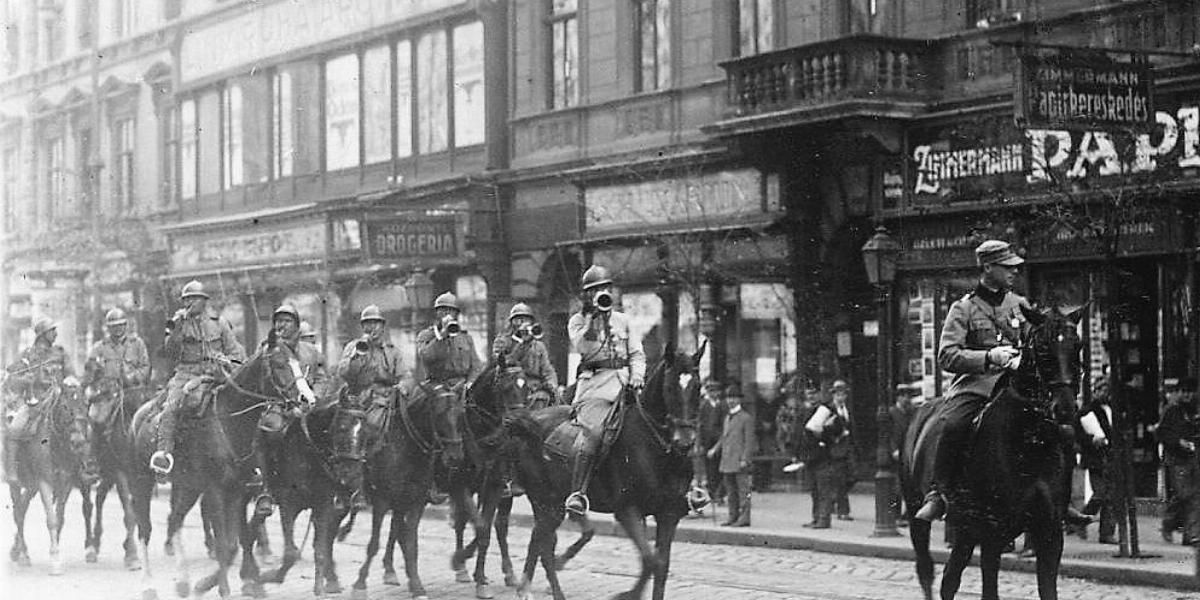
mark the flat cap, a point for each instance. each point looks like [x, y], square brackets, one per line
[996, 252]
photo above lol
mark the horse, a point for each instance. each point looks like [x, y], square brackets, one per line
[58, 457]
[424, 423]
[214, 462]
[1020, 483]
[647, 471]
[111, 411]
[321, 467]
[496, 388]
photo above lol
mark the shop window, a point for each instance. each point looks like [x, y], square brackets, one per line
[377, 100]
[652, 44]
[341, 112]
[431, 93]
[563, 29]
[123, 182]
[645, 312]
[469, 113]
[755, 27]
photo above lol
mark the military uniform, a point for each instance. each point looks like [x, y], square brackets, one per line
[118, 363]
[199, 344]
[378, 368]
[449, 360]
[41, 368]
[533, 359]
[609, 360]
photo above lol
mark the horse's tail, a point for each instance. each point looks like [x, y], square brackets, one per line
[919, 534]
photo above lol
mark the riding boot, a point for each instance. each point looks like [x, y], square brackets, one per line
[162, 462]
[577, 502]
[934, 507]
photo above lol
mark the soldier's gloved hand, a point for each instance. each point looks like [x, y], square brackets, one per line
[637, 382]
[1001, 356]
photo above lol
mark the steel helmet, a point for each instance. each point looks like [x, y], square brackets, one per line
[446, 300]
[43, 325]
[193, 288]
[371, 313]
[307, 331]
[595, 276]
[286, 309]
[115, 316]
[520, 309]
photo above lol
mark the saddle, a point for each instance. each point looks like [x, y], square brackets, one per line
[571, 438]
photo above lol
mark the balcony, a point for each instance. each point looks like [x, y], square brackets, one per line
[860, 75]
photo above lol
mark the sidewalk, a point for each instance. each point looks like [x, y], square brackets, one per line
[778, 516]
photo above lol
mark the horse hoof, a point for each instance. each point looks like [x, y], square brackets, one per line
[389, 578]
[483, 591]
[23, 561]
[253, 589]
[89, 554]
[333, 587]
[511, 580]
[149, 594]
[462, 576]
[133, 563]
[358, 594]
[169, 548]
[183, 589]
[560, 563]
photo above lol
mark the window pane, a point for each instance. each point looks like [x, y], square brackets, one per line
[255, 112]
[231, 120]
[187, 149]
[432, 112]
[404, 97]
[284, 147]
[766, 25]
[341, 112]
[468, 84]
[565, 62]
[377, 104]
[662, 41]
[646, 39]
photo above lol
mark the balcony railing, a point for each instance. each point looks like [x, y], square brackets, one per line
[855, 67]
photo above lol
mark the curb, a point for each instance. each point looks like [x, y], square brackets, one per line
[1132, 574]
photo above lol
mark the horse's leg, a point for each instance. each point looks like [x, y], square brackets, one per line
[126, 498]
[634, 524]
[92, 529]
[331, 518]
[320, 533]
[1049, 545]
[919, 534]
[142, 489]
[287, 521]
[483, 540]
[410, 521]
[228, 516]
[262, 548]
[389, 549]
[544, 520]
[248, 536]
[665, 526]
[960, 555]
[182, 501]
[21, 498]
[503, 512]
[54, 516]
[462, 511]
[586, 532]
[989, 566]
[378, 510]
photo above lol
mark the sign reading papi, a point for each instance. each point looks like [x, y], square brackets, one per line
[1072, 88]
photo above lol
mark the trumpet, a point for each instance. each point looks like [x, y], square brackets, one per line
[362, 346]
[536, 331]
[603, 301]
[450, 325]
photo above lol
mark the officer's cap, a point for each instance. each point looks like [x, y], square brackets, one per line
[996, 252]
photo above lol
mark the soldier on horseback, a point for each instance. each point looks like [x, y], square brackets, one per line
[118, 362]
[41, 371]
[446, 358]
[204, 347]
[978, 343]
[610, 360]
[520, 348]
[370, 366]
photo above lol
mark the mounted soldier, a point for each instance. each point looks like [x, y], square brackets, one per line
[204, 348]
[610, 361]
[37, 376]
[978, 344]
[118, 362]
[446, 358]
[276, 418]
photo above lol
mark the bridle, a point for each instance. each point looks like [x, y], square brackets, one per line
[670, 424]
[434, 444]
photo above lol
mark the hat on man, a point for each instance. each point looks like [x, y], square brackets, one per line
[839, 385]
[996, 252]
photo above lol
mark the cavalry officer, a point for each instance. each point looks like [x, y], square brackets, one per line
[118, 362]
[610, 360]
[203, 346]
[446, 358]
[370, 362]
[40, 370]
[978, 343]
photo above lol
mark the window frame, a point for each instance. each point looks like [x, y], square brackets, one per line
[124, 165]
[54, 146]
[737, 24]
[552, 21]
[663, 71]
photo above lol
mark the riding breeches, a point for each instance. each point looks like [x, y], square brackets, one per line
[956, 417]
[177, 388]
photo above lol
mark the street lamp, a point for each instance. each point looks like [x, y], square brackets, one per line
[879, 255]
[419, 289]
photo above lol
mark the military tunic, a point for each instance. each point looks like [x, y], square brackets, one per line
[451, 360]
[380, 366]
[40, 369]
[533, 359]
[609, 359]
[122, 363]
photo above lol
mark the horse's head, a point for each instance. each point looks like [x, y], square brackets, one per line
[667, 399]
[1051, 360]
[347, 444]
[497, 389]
[71, 413]
[447, 411]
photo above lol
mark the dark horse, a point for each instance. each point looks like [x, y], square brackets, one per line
[57, 458]
[423, 428]
[645, 472]
[1018, 481]
[214, 461]
[318, 466]
[111, 411]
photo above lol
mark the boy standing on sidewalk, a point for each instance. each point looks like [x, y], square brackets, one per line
[736, 447]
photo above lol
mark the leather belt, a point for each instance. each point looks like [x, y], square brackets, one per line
[612, 363]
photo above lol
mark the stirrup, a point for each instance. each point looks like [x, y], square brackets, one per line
[264, 505]
[578, 503]
[162, 455]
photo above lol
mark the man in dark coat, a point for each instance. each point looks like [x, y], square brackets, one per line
[1095, 441]
[736, 447]
[713, 410]
[1178, 431]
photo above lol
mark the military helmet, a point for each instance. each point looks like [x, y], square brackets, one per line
[371, 313]
[307, 331]
[520, 309]
[595, 276]
[43, 325]
[446, 300]
[286, 309]
[193, 288]
[115, 316]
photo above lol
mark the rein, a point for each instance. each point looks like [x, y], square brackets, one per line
[666, 424]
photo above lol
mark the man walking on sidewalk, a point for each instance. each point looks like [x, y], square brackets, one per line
[736, 447]
[1178, 432]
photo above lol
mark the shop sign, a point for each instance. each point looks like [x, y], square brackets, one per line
[1146, 231]
[412, 237]
[1083, 88]
[707, 200]
[974, 161]
[268, 29]
[949, 242]
[263, 248]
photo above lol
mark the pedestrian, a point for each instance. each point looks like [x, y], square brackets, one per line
[1095, 434]
[827, 459]
[736, 448]
[841, 451]
[713, 410]
[1178, 431]
[908, 400]
[808, 451]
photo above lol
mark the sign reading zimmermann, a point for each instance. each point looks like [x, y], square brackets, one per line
[1070, 88]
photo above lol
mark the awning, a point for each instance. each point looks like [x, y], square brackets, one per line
[247, 218]
[758, 222]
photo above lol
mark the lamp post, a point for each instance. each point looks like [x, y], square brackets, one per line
[419, 289]
[879, 255]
